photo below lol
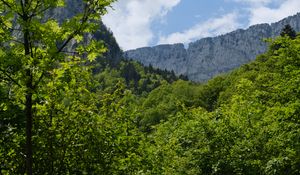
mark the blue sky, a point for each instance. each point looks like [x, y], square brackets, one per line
[140, 23]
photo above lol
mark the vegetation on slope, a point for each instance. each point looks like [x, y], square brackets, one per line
[253, 129]
[128, 119]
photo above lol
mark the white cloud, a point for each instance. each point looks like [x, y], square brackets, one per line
[131, 20]
[266, 14]
[211, 27]
[255, 2]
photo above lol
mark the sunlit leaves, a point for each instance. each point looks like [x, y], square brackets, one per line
[246, 122]
[254, 130]
[39, 60]
[93, 50]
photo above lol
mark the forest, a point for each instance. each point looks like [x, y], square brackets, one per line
[71, 109]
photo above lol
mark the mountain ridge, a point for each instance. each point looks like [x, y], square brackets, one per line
[210, 56]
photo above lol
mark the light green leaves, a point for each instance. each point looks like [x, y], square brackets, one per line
[92, 50]
[43, 71]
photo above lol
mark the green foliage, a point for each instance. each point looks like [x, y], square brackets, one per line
[47, 88]
[288, 31]
[139, 79]
[253, 130]
[94, 117]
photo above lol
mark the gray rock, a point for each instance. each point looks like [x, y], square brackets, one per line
[72, 8]
[170, 57]
[208, 57]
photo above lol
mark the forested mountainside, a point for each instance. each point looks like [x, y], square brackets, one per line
[65, 112]
[208, 57]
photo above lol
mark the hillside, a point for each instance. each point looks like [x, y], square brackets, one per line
[253, 126]
[208, 57]
[66, 109]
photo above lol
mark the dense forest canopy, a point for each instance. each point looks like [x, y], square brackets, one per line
[69, 110]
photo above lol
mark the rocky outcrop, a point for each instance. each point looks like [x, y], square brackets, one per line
[207, 57]
[169, 57]
[111, 57]
[72, 8]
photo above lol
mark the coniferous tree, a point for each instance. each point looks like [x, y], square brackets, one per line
[288, 31]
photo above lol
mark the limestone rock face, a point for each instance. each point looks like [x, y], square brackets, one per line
[208, 57]
[113, 54]
[170, 57]
[72, 8]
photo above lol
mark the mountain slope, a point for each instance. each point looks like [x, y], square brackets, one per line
[252, 127]
[207, 57]
[72, 8]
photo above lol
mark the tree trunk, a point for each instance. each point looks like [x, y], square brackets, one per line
[29, 117]
[28, 103]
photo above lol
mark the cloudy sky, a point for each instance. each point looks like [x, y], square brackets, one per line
[139, 23]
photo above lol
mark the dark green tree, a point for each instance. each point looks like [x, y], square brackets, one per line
[288, 31]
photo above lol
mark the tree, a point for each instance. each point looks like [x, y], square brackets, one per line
[33, 45]
[288, 31]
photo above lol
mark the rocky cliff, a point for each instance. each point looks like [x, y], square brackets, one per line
[72, 8]
[208, 57]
